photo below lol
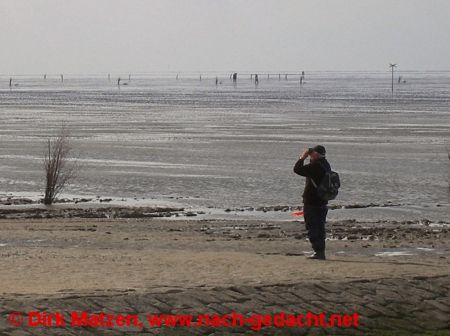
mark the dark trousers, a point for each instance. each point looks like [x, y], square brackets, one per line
[315, 218]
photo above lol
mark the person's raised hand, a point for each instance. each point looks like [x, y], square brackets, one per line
[305, 154]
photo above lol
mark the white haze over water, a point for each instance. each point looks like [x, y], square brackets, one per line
[136, 36]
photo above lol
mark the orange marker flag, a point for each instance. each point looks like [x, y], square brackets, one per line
[298, 213]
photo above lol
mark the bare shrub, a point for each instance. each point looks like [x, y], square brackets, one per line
[59, 170]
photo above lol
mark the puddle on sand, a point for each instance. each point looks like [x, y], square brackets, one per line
[410, 251]
[399, 252]
[21, 242]
[394, 253]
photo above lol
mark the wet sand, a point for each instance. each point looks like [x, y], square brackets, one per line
[47, 262]
[86, 255]
[199, 145]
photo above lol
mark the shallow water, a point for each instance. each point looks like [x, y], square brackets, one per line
[234, 145]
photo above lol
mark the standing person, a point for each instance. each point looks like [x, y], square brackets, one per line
[314, 208]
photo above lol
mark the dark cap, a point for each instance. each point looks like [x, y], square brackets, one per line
[319, 149]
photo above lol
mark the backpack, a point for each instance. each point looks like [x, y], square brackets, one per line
[328, 187]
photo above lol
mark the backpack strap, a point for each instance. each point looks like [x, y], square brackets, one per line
[326, 170]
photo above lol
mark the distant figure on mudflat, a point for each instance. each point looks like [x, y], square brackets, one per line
[62, 78]
[235, 77]
[217, 80]
[45, 76]
[10, 82]
[118, 81]
[256, 79]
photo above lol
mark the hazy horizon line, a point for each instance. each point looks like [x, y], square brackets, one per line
[217, 72]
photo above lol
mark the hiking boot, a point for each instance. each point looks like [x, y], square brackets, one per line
[318, 256]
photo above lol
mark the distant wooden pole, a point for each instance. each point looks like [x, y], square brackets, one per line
[392, 66]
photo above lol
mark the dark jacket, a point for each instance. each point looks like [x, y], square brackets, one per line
[314, 170]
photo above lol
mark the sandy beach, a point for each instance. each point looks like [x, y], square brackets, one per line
[62, 263]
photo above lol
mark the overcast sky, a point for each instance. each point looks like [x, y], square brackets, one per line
[101, 36]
